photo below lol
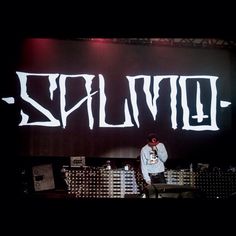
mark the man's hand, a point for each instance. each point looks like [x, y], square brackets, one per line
[148, 182]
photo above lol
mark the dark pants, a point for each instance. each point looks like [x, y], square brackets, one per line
[158, 178]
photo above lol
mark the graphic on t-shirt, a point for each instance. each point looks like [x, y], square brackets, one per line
[153, 157]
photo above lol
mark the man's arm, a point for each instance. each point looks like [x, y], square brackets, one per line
[161, 152]
[144, 168]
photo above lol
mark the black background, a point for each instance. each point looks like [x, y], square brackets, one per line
[60, 217]
[115, 61]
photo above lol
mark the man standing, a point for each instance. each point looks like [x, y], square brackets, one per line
[153, 156]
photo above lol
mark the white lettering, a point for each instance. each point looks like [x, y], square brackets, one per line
[88, 82]
[102, 110]
[24, 95]
[151, 97]
[200, 115]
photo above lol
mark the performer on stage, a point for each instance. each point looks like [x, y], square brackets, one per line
[153, 156]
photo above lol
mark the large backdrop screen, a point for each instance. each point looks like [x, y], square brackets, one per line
[101, 99]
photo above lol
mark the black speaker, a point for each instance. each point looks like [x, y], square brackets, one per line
[171, 191]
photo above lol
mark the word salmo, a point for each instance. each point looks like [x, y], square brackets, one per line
[151, 91]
